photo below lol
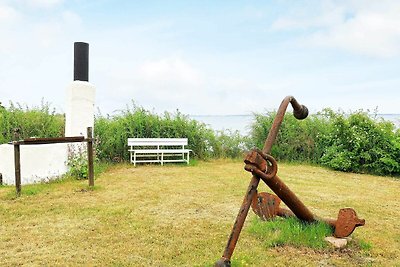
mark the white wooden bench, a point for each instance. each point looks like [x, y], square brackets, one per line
[159, 150]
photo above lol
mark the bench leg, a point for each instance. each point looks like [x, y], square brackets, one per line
[187, 158]
[162, 159]
[134, 159]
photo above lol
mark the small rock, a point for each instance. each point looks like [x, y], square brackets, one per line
[337, 242]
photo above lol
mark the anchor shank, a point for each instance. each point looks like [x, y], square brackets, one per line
[287, 196]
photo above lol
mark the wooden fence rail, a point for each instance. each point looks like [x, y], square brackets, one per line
[41, 141]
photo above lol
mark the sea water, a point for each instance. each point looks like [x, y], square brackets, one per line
[242, 123]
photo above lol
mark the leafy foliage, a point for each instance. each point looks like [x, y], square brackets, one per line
[360, 144]
[38, 121]
[354, 142]
[112, 133]
[77, 161]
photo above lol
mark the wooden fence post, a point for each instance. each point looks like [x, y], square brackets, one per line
[17, 161]
[90, 156]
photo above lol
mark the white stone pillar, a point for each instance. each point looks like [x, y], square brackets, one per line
[79, 112]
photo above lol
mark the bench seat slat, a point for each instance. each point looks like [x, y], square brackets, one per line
[157, 142]
[143, 151]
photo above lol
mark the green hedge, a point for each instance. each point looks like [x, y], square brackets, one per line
[355, 142]
[37, 121]
[112, 133]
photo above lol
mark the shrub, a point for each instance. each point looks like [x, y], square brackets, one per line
[297, 140]
[38, 121]
[360, 144]
[230, 144]
[354, 142]
[112, 132]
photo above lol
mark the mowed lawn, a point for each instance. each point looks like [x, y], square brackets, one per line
[178, 215]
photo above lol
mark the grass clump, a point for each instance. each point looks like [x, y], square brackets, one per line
[292, 232]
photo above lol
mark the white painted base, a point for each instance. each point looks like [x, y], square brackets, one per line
[38, 163]
[79, 112]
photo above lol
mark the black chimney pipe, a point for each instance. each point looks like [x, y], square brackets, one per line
[81, 61]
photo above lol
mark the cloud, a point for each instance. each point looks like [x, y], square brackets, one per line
[8, 14]
[305, 17]
[71, 18]
[169, 71]
[44, 3]
[368, 28]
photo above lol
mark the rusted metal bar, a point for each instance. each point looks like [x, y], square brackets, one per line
[277, 185]
[300, 112]
[238, 225]
[90, 156]
[43, 141]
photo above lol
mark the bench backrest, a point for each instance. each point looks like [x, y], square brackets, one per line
[157, 141]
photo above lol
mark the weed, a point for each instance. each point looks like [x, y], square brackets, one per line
[365, 246]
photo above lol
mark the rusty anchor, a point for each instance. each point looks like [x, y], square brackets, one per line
[263, 166]
[266, 205]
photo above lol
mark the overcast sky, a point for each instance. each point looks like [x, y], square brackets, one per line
[205, 57]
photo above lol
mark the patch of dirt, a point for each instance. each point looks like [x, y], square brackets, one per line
[328, 256]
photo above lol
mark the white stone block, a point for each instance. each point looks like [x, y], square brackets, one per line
[79, 112]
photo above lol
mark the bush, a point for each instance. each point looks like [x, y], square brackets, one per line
[355, 142]
[297, 140]
[230, 144]
[112, 133]
[40, 121]
[361, 144]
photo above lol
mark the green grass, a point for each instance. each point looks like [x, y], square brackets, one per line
[179, 215]
[291, 232]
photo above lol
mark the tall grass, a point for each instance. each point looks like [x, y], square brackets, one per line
[290, 231]
[353, 142]
[112, 133]
[37, 121]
